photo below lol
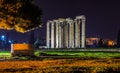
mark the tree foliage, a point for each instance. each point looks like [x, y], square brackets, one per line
[21, 15]
[31, 39]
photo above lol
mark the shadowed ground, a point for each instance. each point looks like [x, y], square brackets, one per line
[62, 65]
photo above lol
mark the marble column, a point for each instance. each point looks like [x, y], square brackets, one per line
[57, 33]
[71, 32]
[48, 35]
[65, 35]
[77, 32]
[52, 34]
[83, 32]
[62, 34]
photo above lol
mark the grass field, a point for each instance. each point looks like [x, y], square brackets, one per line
[71, 54]
[69, 62]
[5, 54]
[83, 54]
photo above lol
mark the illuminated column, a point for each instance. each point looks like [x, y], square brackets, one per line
[62, 36]
[61, 33]
[66, 35]
[52, 34]
[71, 32]
[77, 32]
[83, 32]
[57, 33]
[12, 48]
[48, 35]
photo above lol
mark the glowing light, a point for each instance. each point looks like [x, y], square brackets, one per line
[2, 37]
[10, 41]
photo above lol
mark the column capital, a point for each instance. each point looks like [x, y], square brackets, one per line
[50, 21]
[68, 19]
[83, 20]
[61, 19]
[55, 20]
[81, 17]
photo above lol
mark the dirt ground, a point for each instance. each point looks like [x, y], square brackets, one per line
[61, 66]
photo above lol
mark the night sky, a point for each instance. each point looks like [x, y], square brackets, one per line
[102, 16]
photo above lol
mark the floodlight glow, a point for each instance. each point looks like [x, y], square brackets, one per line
[10, 41]
[3, 37]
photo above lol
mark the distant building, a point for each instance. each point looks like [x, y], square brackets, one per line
[92, 42]
[109, 42]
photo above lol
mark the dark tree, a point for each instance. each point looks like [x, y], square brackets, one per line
[7, 37]
[118, 39]
[100, 43]
[21, 15]
[7, 45]
[31, 39]
[36, 44]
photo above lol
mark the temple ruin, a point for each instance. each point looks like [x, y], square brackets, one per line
[66, 33]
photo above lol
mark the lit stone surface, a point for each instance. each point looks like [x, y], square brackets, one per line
[59, 39]
[83, 34]
[66, 35]
[77, 33]
[52, 35]
[71, 32]
[48, 35]
[57, 35]
[22, 49]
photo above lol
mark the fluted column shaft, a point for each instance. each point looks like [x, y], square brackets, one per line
[77, 33]
[62, 34]
[71, 33]
[48, 35]
[57, 33]
[52, 34]
[66, 35]
[83, 34]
